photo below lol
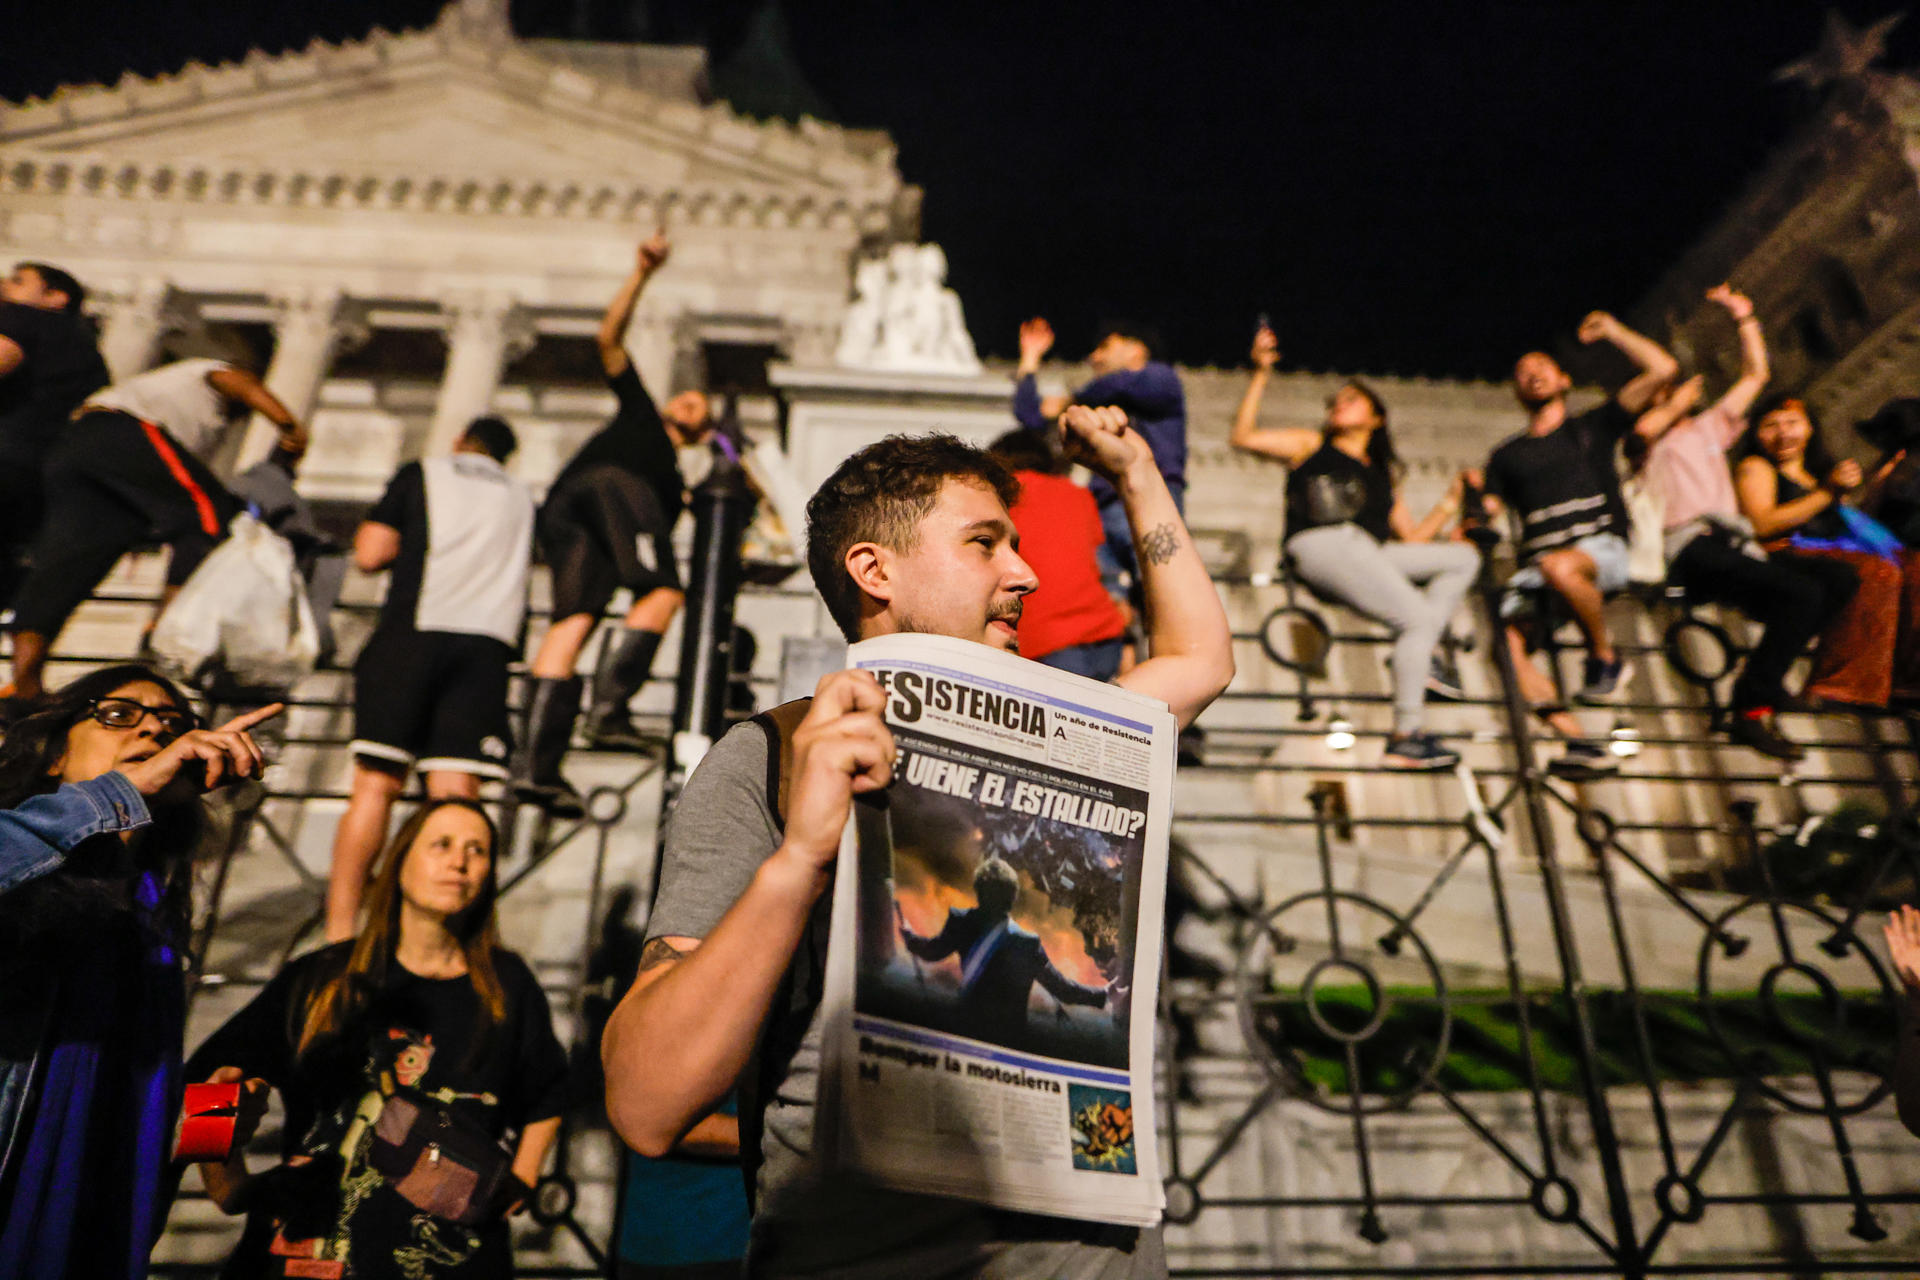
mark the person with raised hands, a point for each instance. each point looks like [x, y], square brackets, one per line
[911, 534]
[1559, 478]
[100, 819]
[1351, 537]
[1709, 546]
[607, 523]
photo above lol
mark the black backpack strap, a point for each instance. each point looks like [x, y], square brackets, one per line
[803, 977]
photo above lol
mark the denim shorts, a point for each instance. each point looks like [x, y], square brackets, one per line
[1608, 552]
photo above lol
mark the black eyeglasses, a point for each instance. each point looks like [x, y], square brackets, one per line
[125, 713]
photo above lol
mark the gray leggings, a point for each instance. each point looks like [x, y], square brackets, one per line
[1379, 579]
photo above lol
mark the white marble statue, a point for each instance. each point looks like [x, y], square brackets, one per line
[904, 318]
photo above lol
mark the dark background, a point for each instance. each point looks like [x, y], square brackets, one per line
[1416, 187]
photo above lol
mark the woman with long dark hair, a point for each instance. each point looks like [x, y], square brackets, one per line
[1351, 538]
[1805, 506]
[99, 820]
[419, 1069]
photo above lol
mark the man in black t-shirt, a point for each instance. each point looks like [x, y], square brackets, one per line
[1559, 479]
[608, 523]
[49, 363]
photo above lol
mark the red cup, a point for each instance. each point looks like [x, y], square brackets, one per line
[209, 1116]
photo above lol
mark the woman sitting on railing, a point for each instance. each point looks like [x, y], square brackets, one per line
[1351, 538]
[405, 1057]
[99, 821]
[1800, 503]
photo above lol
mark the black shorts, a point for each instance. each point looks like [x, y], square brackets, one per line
[113, 482]
[433, 699]
[601, 530]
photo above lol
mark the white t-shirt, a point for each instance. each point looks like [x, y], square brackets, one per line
[176, 396]
[466, 535]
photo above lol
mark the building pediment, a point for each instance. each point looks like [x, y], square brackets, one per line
[461, 99]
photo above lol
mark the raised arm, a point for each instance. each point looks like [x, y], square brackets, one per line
[679, 1039]
[1754, 369]
[1660, 419]
[1657, 366]
[1032, 410]
[242, 387]
[612, 338]
[1292, 445]
[1187, 631]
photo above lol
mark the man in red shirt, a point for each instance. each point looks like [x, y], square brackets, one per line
[1070, 622]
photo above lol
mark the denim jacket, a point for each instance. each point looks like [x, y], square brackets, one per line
[36, 836]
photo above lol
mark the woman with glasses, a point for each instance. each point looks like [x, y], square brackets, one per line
[422, 1021]
[99, 819]
[1351, 538]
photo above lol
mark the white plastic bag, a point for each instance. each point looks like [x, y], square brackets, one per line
[243, 616]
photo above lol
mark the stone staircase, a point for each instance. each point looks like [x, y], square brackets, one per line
[1245, 816]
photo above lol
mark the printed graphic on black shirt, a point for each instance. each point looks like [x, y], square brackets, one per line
[420, 1244]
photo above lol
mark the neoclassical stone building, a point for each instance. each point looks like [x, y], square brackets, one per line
[415, 224]
[1824, 239]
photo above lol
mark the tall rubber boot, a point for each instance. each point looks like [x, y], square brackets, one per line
[551, 707]
[625, 662]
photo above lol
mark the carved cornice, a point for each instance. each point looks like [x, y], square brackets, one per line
[464, 37]
[234, 186]
[1878, 368]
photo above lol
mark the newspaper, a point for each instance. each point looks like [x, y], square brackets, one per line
[995, 952]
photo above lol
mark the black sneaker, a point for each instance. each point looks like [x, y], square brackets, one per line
[1604, 680]
[612, 729]
[1418, 751]
[1443, 678]
[1757, 731]
[1584, 760]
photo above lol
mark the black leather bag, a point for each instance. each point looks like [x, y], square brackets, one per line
[441, 1161]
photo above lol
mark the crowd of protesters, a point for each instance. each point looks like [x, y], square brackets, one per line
[413, 1013]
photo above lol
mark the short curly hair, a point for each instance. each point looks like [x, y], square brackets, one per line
[881, 494]
[995, 886]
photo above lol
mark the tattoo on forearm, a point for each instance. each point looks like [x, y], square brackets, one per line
[1160, 543]
[658, 952]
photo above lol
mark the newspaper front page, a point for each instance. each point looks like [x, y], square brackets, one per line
[995, 952]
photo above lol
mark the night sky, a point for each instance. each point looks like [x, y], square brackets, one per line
[1422, 187]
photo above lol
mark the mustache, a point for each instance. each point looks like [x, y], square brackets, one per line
[1010, 611]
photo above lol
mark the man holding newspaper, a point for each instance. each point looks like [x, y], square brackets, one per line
[910, 535]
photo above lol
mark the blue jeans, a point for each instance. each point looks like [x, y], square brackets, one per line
[1097, 661]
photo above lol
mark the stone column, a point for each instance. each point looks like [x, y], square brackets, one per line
[132, 325]
[309, 328]
[483, 334]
